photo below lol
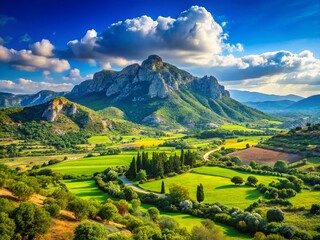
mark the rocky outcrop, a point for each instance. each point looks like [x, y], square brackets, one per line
[58, 106]
[152, 79]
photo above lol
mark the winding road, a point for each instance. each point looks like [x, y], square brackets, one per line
[129, 183]
[207, 154]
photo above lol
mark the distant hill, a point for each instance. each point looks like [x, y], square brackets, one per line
[159, 94]
[270, 106]
[310, 104]
[246, 96]
[14, 100]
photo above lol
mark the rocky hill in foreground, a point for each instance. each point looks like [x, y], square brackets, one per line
[159, 94]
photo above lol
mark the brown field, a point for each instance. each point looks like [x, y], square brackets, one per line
[264, 156]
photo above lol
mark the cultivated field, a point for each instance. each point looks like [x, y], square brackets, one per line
[265, 156]
[241, 142]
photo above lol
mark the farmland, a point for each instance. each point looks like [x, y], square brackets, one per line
[265, 156]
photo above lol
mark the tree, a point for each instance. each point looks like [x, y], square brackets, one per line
[275, 215]
[168, 223]
[200, 193]
[163, 190]
[206, 231]
[7, 226]
[90, 231]
[237, 180]
[252, 180]
[247, 145]
[315, 209]
[108, 211]
[153, 213]
[141, 175]
[31, 220]
[280, 166]
[178, 193]
[53, 209]
[79, 207]
[132, 171]
[122, 206]
[22, 190]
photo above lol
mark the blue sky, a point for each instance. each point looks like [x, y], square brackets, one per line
[267, 46]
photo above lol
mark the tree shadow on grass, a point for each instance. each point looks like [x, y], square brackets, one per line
[231, 186]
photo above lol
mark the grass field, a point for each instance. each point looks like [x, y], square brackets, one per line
[216, 189]
[265, 156]
[28, 162]
[88, 166]
[241, 142]
[99, 140]
[232, 127]
[229, 173]
[86, 189]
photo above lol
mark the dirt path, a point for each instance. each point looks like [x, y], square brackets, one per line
[129, 183]
[207, 154]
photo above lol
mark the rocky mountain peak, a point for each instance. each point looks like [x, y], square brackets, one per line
[57, 106]
[153, 62]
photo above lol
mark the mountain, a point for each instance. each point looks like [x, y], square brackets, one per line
[310, 104]
[159, 94]
[246, 96]
[270, 106]
[13, 100]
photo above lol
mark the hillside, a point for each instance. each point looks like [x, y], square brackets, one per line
[159, 94]
[309, 104]
[14, 100]
[270, 106]
[246, 96]
[303, 140]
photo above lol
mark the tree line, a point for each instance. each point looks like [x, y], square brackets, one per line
[160, 164]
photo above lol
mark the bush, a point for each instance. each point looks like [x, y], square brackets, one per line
[22, 190]
[7, 226]
[168, 223]
[90, 231]
[315, 209]
[108, 211]
[275, 215]
[31, 220]
[53, 209]
[252, 180]
[237, 180]
[79, 207]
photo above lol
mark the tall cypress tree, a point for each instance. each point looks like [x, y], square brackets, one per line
[163, 190]
[182, 157]
[139, 162]
[132, 171]
[200, 193]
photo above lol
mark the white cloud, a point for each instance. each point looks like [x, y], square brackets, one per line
[74, 75]
[25, 60]
[43, 48]
[194, 37]
[28, 86]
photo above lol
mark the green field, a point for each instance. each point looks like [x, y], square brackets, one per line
[232, 127]
[86, 189]
[241, 142]
[229, 173]
[88, 166]
[99, 140]
[216, 189]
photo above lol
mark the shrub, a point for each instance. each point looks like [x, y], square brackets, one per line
[237, 180]
[53, 209]
[168, 223]
[252, 180]
[90, 231]
[31, 220]
[315, 209]
[7, 226]
[22, 190]
[79, 207]
[153, 213]
[108, 211]
[275, 215]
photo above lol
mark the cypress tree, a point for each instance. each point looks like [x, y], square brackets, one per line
[139, 162]
[200, 193]
[163, 190]
[182, 157]
[132, 171]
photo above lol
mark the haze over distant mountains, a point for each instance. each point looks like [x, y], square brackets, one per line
[247, 96]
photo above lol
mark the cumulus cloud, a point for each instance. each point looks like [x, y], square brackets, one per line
[193, 37]
[43, 48]
[26, 59]
[28, 86]
[74, 75]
